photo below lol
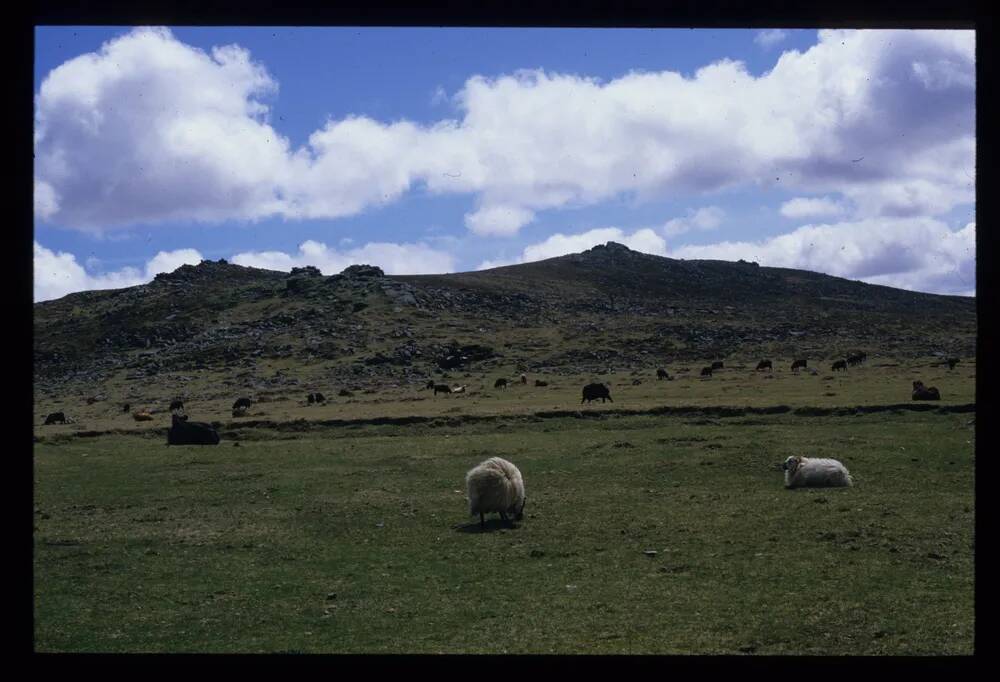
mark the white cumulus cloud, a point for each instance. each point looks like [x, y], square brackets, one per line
[921, 254]
[770, 37]
[707, 218]
[149, 129]
[394, 259]
[816, 207]
[58, 273]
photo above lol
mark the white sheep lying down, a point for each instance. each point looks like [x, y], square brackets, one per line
[815, 472]
[495, 486]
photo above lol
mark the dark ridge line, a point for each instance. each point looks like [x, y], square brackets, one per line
[303, 424]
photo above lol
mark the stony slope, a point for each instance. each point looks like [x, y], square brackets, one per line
[581, 312]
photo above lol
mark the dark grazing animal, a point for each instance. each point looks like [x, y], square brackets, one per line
[184, 432]
[125, 408]
[798, 363]
[441, 388]
[595, 391]
[921, 392]
[717, 365]
[176, 405]
[539, 382]
[856, 358]
[764, 364]
[839, 364]
[500, 383]
[706, 371]
[242, 404]
[952, 362]
[316, 398]
[430, 385]
[524, 379]
[662, 374]
[56, 418]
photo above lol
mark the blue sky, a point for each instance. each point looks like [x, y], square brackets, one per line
[440, 150]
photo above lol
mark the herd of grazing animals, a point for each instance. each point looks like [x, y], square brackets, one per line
[497, 485]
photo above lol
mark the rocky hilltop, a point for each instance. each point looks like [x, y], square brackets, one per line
[582, 312]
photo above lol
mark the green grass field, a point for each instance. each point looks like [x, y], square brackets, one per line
[643, 534]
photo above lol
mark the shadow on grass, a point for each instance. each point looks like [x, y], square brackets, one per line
[491, 526]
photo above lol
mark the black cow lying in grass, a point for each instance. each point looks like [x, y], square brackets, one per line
[798, 363]
[839, 364]
[56, 418]
[921, 392]
[765, 364]
[595, 391]
[184, 432]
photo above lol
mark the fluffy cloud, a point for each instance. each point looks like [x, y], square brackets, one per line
[149, 129]
[394, 259]
[920, 254]
[58, 274]
[707, 218]
[498, 220]
[821, 207]
[769, 37]
[644, 240]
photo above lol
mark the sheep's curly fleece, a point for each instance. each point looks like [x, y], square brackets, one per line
[802, 472]
[494, 486]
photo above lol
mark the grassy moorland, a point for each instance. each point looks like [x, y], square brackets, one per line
[643, 534]
[657, 523]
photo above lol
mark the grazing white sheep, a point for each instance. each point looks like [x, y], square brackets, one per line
[495, 486]
[814, 472]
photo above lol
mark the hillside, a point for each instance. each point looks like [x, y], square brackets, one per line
[586, 312]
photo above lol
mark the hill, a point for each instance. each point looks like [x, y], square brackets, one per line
[608, 307]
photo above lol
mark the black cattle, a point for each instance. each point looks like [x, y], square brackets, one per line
[430, 385]
[500, 383]
[952, 362]
[798, 363]
[315, 398]
[595, 391]
[126, 408]
[856, 358]
[56, 418]
[176, 405]
[524, 380]
[662, 374]
[706, 371]
[839, 364]
[921, 392]
[441, 388]
[717, 365]
[539, 382]
[765, 364]
[242, 404]
[184, 432]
